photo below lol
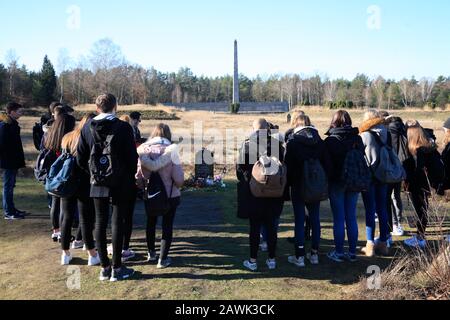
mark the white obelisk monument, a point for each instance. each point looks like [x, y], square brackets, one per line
[236, 75]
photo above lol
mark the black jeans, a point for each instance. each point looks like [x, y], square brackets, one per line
[102, 211]
[68, 210]
[55, 215]
[86, 212]
[128, 219]
[269, 222]
[395, 205]
[167, 230]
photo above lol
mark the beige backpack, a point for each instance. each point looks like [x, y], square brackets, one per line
[269, 178]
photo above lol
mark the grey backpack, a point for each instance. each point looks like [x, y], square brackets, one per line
[390, 169]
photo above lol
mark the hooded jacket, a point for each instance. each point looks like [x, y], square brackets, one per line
[12, 156]
[124, 145]
[424, 170]
[372, 147]
[338, 143]
[247, 205]
[160, 155]
[305, 143]
[398, 137]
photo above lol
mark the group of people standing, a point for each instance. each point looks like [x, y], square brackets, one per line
[109, 164]
[349, 162]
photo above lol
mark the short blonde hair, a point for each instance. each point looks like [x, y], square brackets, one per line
[371, 114]
[301, 120]
[295, 114]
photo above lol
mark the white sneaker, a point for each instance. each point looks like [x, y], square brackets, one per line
[398, 231]
[264, 247]
[65, 259]
[252, 266]
[313, 258]
[271, 264]
[94, 261]
[110, 249]
[77, 244]
[415, 242]
[56, 236]
[300, 262]
[128, 255]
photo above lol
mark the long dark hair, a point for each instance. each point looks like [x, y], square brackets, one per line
[341, 119]
[63, 124]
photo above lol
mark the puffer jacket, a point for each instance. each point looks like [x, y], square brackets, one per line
[372, 147]
[159, 154]
[305, 143]
[11, 150]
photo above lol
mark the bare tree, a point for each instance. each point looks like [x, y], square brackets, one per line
[426, 88]
[330, 89]
[12, 61]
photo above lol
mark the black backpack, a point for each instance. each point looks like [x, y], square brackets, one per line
[38, 133]
[314, 187]
[356, 174]
[44, 162]
[104, 165]
[156, 199]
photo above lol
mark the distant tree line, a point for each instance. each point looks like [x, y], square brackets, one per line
[106, 69]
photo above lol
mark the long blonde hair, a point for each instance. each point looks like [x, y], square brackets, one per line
[70, 141]
[417, 137]
[295, 114]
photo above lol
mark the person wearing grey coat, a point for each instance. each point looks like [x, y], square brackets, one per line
[373, 133]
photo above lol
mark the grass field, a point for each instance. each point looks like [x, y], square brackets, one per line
[207, 257]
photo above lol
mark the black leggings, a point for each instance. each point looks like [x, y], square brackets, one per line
[128, 220]
[167, 230]
[68, 208]
[68, 211]
[87, 220]
[269, 222]
[102, 211]
[55, 215]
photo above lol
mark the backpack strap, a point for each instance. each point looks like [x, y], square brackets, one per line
[377, 138]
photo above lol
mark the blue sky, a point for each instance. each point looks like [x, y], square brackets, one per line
[328, 37]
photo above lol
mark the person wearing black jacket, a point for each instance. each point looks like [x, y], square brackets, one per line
[399, 143]
[424, 170]
[260, 211]
[342, 138]
[304, 144]
[124, 149]
[12, 158]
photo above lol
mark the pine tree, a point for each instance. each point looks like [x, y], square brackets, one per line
[46, 86]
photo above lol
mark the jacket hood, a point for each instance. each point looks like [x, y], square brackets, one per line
[396, 125]
[170, 155]
[5, 118]
[369, 125]
[103, 124]
[428, 150]
[342, 131]
[157, 140]
[307, 135]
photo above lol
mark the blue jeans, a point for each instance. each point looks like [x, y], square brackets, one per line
[300, 212]
[375, 201]
[343, 206]
[9, 182]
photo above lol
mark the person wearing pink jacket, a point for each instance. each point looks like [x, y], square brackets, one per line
[158, 154]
